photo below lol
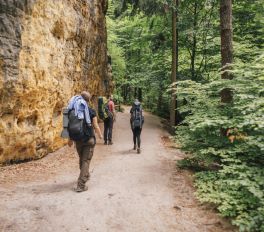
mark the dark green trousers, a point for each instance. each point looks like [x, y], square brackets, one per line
[85, 151]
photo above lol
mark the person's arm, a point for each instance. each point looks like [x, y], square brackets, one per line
[97, 128]
[143, 119]
[85, 109]
[112, 109]
[131, 112]
[114, 112]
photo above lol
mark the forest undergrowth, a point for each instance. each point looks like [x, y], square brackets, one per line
[223, 138]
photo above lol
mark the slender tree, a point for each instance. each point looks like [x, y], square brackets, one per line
[226, 45]
[194, 40]
[174, 61]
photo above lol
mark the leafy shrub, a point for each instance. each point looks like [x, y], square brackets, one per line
[237, 185]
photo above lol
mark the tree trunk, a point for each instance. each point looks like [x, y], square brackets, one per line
[140, 94]
[193, 56]
[130, 94]
[226, 49]
[174, 62]
[177, 39]
[226, 36]
[125, 92]
[226, 45]
[135, 92]
[159, 102]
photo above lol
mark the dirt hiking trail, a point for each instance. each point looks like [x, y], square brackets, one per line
[127, 192]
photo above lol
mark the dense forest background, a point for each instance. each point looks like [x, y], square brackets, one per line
[223, 138]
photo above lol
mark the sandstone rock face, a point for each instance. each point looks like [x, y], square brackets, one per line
[49, 51]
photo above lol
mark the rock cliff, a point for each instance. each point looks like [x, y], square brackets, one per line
[49, 51]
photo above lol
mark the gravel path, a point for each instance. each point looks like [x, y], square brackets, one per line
[127, 192]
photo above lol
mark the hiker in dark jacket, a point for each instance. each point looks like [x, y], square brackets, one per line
[85, 148]
[136, 122]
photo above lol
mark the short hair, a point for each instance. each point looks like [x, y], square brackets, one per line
[86, 95]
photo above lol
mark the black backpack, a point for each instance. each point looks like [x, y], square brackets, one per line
[78, 129]
[137, 117]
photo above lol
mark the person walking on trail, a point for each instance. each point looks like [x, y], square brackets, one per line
[82, 123]
[109, 121]
[136, 122]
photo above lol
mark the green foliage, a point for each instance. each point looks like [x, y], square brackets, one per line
[116, 52]
[237, 187]
[238, 192]
[143, 32]
[225, 142]
[145, 46]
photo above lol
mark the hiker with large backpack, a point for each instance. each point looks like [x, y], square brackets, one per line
[136, 122]
[82, 121]
[106, 111]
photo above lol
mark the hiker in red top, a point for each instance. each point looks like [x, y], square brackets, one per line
[111, 105]
[108, 123]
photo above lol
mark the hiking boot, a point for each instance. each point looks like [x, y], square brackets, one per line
[79, 189]
[134, 147]
[105, 143]
[110, 143]
[138, 151]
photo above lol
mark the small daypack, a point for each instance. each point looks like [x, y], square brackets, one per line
[137, 117]
[103, 108]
